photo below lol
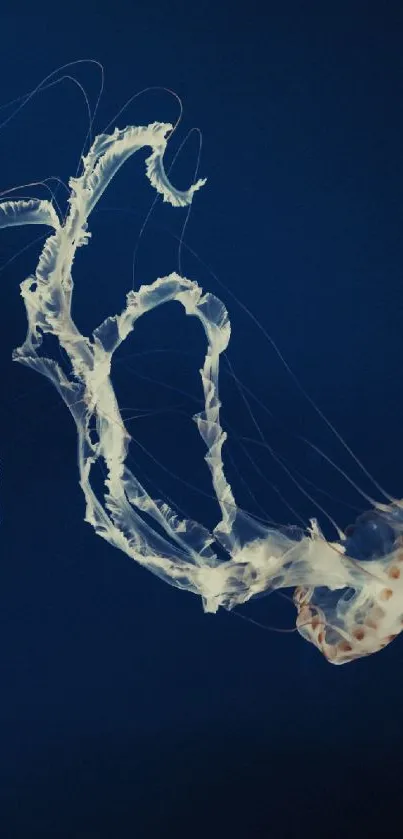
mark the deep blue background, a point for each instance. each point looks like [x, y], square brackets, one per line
[124, 710]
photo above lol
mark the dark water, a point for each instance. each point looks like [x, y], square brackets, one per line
[124, 710]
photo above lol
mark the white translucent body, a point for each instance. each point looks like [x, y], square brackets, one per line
[258, 558]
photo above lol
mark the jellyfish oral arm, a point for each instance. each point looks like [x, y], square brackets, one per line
[240, 558]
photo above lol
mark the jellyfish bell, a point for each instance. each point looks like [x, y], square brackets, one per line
[363, 618]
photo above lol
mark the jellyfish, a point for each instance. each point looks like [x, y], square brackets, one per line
[346, 606]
